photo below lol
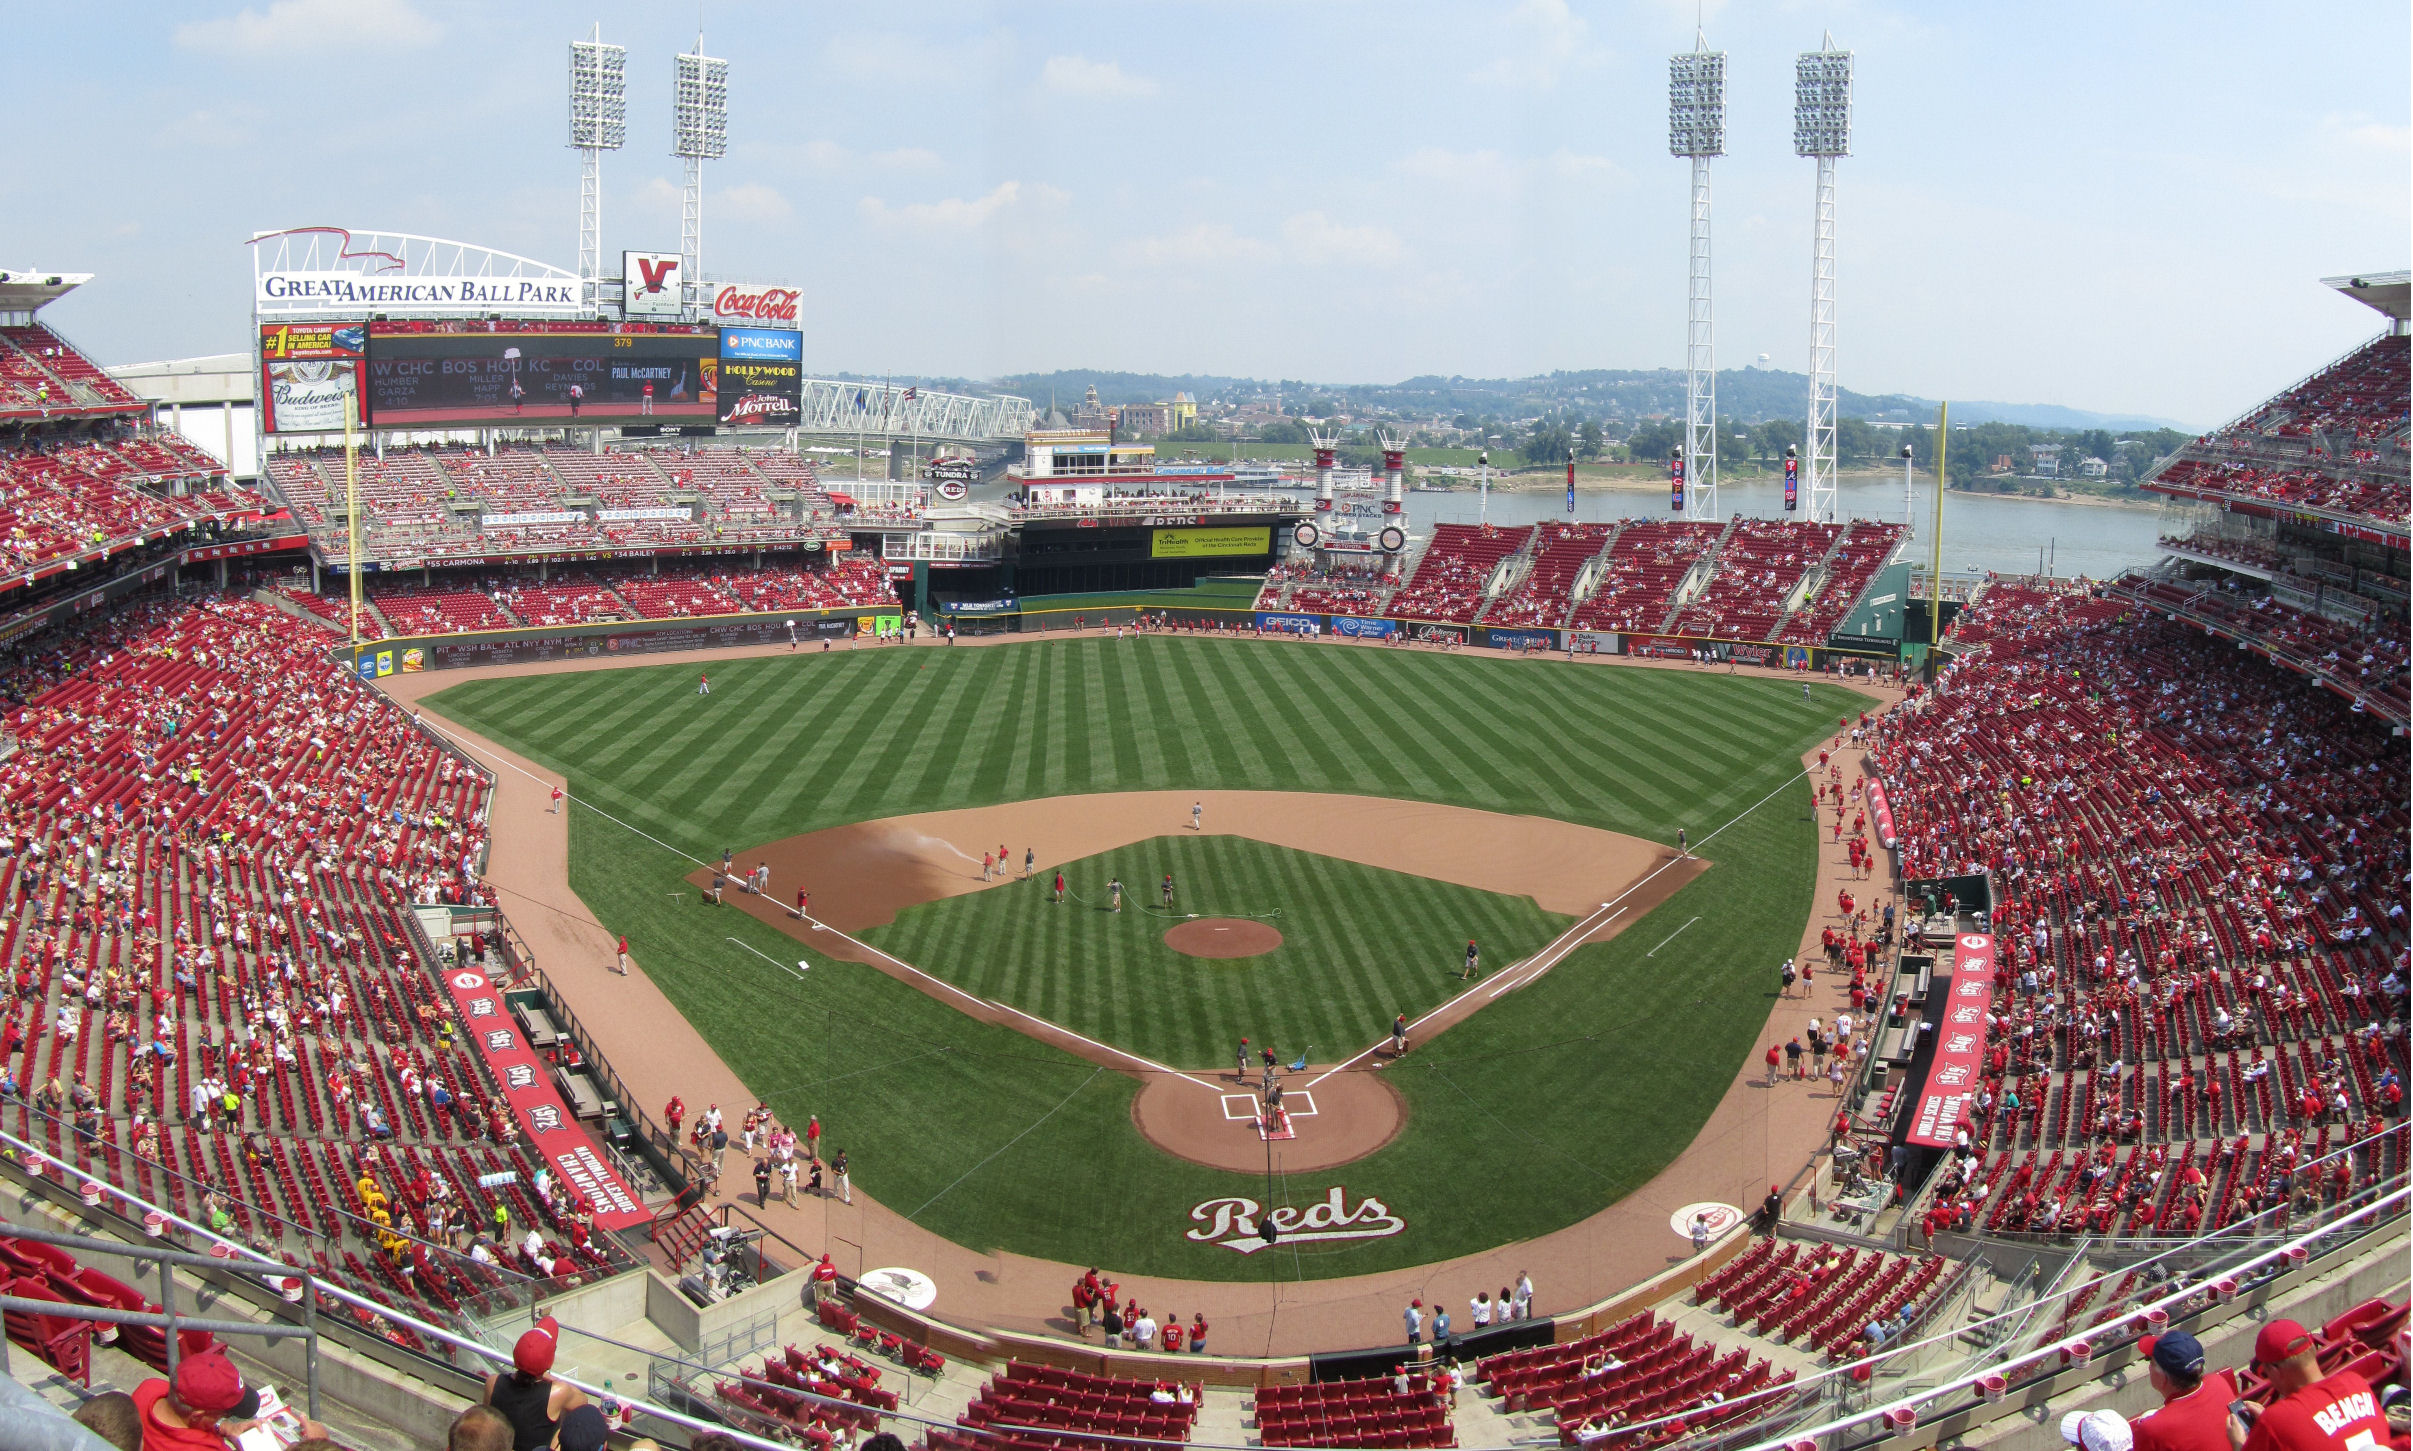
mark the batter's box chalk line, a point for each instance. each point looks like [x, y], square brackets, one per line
[1241, 1108]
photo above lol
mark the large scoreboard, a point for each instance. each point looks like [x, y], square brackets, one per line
[423, 379]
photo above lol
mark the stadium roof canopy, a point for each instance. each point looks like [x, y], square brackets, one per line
[23, 289]
[2388, 292]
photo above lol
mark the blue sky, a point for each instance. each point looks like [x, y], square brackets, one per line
[2120, 206]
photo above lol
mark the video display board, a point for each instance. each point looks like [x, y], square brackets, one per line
[762, 376]
[305, 371]
[442, 379]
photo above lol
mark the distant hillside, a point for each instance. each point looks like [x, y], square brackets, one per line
[1750, 395]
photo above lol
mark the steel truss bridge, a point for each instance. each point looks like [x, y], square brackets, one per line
[895, 410]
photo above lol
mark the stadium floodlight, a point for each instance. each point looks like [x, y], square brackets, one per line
[1696, 130]
[1822, 128]
[699, 130]
[598, 123]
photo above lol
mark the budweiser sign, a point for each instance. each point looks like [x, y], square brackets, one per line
[735, 303]
[1233, 1223]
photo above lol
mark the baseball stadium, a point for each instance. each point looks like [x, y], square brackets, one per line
[1197, 958]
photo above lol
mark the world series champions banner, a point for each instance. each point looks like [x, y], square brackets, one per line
[1960, 1047]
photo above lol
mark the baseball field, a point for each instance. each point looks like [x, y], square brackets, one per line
[1551, 1101]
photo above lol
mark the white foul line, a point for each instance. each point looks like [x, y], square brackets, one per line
[1672, 936]
[1565, 943]
[1148, 1063]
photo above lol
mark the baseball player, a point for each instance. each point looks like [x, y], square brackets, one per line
[804, 904]
[1471, 958]
[1240, 1062]
[1030, 862]
[1168, 889]
[1114, 894]
[1059, 888]
[1198, 816]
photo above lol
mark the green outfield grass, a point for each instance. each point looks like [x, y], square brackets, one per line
[1554, 1101]
[1358, 945]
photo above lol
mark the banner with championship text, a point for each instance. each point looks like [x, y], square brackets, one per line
[1960, 1046]
[1881, 815]
[538, 1105]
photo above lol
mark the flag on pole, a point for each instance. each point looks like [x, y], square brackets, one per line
[860, 405]
[909, 394]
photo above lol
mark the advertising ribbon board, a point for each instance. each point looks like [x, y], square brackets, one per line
[1881, 815]
[1210, 543]
[1520, 639]
[1960, 1046]
[1294, 624]
[537, 1104]
[305, 371]
[1364, 629]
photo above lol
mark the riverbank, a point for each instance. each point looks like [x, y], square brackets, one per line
[1556, 482]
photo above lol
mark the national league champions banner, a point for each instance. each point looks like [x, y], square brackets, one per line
[1960, 1048]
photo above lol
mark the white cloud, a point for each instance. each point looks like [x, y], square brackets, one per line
[1489, 178]
[1096, 80]
[907, 158]
[2371, 135]
[887, 57]
[307, 27]
[752, 202]
[1316, 238]
[1549, 40]
[951, 214]
[1208, 244]
[224, 129]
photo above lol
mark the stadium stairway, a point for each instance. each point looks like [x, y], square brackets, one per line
[1812, 582]
[1698, 579]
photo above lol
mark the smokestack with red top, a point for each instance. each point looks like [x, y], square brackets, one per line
[1395, 464]
[1326, 444]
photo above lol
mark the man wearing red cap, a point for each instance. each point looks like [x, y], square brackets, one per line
[2308, 1412]
[204, 1410]
[529, 1398]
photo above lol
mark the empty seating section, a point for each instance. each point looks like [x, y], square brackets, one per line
[1858, 555]
[420, 506]
[1449, 581]
[41, 376]
[61, 502]
[2198, 862]
[1066, 1403]
[1542, 597]
[1355, 1413]
[1638, 1370]
[563, 600]
[31, 1270]
[2337, 441]
[214, 835]
[1339, 585]
[439, 611]
[1757, 567]
[2367, 657]
[1644, 569]
[336, 611]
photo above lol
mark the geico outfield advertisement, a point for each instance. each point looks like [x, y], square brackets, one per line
[1210, 543]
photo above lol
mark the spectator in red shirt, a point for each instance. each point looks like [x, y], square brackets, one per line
[2194, 1412]
[206, 1408]
[2308, 1412]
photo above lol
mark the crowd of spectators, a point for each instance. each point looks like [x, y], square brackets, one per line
[210, 839]
[2200, 993]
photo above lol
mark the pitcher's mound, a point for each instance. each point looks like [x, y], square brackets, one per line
[1223, 937]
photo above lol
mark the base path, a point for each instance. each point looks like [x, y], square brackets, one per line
[1757, 1134]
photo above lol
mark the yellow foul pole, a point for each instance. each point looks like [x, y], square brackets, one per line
[352, 508]
[1935, 535]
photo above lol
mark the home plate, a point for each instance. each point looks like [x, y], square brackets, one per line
[1242, 1108]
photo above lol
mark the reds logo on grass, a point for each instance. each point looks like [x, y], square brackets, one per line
[1233, 1223]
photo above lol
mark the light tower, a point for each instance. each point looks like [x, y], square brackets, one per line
[1822, 128]
[1696, 130]
[598, 123]
[699, 108]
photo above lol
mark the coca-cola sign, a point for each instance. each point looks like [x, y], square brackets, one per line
[742, 303]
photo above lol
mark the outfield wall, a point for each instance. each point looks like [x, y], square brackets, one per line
[412, 654]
